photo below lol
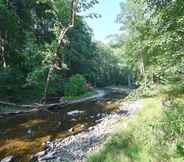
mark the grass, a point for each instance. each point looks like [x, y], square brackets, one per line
[156, 134]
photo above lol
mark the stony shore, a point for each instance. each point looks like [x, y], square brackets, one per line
[76, 148]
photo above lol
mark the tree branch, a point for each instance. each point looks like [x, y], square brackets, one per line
[71, 23]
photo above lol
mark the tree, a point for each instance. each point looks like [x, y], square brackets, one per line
[75, 5]
[153, 39]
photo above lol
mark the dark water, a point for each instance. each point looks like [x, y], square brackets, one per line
[24, 135]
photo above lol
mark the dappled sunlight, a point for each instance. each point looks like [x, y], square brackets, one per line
[74, 73]
[25, 134]
[32, 123]
[127, 142]
[22, 148]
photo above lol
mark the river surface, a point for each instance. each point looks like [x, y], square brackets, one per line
[24, 135]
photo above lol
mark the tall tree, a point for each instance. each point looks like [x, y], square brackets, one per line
[75, 6]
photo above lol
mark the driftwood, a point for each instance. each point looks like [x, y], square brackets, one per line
[37, 107]
[45, 107]
[15, 105]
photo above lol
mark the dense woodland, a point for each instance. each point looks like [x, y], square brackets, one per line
[29, 36]
[152, 42]
[153, 39]
[47, 49]
[149, 49]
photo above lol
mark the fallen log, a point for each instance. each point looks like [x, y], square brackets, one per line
[99, 94]
[15, 105]
[37, 106]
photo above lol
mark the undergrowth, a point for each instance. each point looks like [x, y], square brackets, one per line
[155, 134]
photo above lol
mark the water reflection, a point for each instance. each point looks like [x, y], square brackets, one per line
[24, 135]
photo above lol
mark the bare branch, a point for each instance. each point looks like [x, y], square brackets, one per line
[71, 23]
[73, 10]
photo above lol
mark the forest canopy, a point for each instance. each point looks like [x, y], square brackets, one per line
[149, 49]
[29, 32]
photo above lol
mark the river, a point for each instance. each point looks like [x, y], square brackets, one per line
[23, 135]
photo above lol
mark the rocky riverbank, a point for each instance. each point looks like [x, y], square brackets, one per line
[75, 148]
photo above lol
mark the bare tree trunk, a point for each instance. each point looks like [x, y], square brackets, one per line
[49, 76]
[62, 34]
[129, 80]
[2, 45]
[141, 66]
[3, 54]
[142, 70]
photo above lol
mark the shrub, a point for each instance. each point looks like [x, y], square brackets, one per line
[10, 82]
[75, 86]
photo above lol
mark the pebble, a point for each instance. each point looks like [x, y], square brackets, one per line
[70, 130]
[42, 153]
[76, 147]
[74, 120]
[82, 126]
[90, 128]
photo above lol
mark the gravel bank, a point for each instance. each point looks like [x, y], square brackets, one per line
[75, 148]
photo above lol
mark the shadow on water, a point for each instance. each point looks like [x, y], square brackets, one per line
[24, 135]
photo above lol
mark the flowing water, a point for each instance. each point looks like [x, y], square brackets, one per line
[24, 135]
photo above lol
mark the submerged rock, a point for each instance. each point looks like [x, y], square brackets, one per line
[73, 119]
[71, 130]
[74, 113]
[42, 153]
[8, 159]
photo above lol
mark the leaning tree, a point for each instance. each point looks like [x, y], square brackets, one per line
[74, 8]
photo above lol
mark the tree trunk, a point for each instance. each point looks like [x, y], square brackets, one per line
[129, 80]
[49, 76]
[2, 45]
[55, 64]
[141, 66]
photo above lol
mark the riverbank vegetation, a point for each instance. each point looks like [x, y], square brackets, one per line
[153, 45]
[154, 134]
[29, 35]
[47, 49]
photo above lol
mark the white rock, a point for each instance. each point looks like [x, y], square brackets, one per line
[42, 153]
[90, 128]
[8, 159]
[75, 112]
[73, 119]
[70, 130]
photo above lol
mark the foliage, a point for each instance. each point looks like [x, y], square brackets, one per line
[155, 134]
[75, 86]
[111, 70]
[152, 39]
[28, 41]
[173, 124]
[7, 80]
